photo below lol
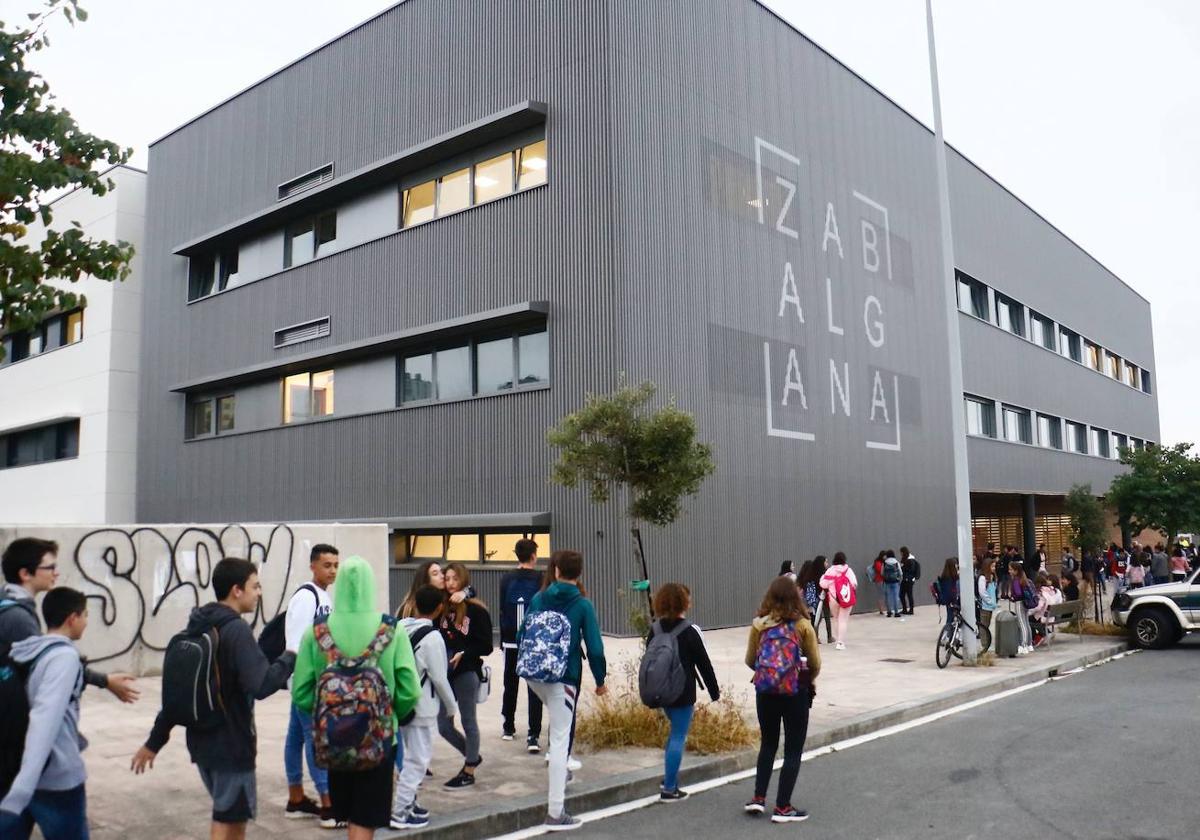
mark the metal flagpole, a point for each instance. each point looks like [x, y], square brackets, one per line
[958, 431]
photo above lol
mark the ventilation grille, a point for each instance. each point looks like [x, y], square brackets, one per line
[307, 331]
[306, 181]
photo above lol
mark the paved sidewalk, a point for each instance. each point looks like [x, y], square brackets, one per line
[886, 675]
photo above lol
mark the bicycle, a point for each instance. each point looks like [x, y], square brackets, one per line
[949, 641]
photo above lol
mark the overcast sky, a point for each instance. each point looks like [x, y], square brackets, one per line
[1088, 110]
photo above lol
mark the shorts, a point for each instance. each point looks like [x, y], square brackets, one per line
[234, 794]
[363, 797]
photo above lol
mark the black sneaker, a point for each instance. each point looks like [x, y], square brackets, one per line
[302, 810]
[463, 779]
[788, 814]
[418, 810]
[532, 745]
[507, 735]
[676, 795]
[757, 805]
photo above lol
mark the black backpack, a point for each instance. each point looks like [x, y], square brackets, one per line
[14, 710]
[272, 641]
[191, 679]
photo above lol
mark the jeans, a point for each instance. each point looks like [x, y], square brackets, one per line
[508, 706]
[906, 596]
[60, 814]
[297, 747]
[559, 700]
[792, 711]
[681, 719]
[891, 591]
[466, 694]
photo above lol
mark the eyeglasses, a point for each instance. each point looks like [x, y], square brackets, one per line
[52, 567]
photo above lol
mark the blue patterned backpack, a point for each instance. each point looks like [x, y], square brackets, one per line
[545, 647]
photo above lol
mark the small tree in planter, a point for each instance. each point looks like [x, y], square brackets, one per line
[618, 442]
[1089, 530]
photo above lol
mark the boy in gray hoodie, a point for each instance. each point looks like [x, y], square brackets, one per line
[429, 650]
[49, 788]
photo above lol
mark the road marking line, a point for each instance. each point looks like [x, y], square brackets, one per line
[809, 755]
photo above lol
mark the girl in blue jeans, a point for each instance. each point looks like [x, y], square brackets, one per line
[671, 603]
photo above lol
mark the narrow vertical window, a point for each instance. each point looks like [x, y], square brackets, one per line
[225, 414]
[74, 327]
[454, 191]
[419, 204]
[531, 165]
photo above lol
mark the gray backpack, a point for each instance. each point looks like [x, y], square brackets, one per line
[662, 679]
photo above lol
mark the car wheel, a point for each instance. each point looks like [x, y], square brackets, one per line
[1153, 629]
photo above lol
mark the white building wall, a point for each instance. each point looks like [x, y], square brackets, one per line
[94, 379]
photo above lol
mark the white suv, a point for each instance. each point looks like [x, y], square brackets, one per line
[1160, 615]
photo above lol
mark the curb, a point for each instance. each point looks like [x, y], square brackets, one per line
[530, 811]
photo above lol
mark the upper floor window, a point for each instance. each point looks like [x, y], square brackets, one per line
[307, 395]
[1010, 315]
[488, 364]
[1077, 437]
[1049, 431]
[303, 239]
[208, 416]
[1071, 345]
[972, 296]
[1092, 354]
[1099, 441]
[981, 417]
[1017, 425]
[1041, 330]
[1120, 442]
[1146, 380]
[211, 273]
[52, 333]
[482, 181]
[1131, 376]
[55, 442]
[1112, 365]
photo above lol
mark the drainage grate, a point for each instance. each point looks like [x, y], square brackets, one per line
[896, 660]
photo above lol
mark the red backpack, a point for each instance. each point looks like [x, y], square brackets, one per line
[843, 590]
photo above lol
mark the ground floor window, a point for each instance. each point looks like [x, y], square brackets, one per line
[464, 545]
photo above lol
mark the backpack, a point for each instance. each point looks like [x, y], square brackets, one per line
[936, 592]
[353, 728]
[1029, 596]
[662, 679]
[545, 649]
[273, 639]
[891, 570]
[778, 668]
[415, 640]
[517, 598]
[843, 591]
[14, 709]
[191, 679]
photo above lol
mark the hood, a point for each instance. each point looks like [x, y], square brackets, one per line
[29, 649]
[559, 595]
[354, 589]
[409, 623]
[209, 615]
[14, 592]
[764, 621]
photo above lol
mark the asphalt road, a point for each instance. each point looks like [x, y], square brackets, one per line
[1113, 752]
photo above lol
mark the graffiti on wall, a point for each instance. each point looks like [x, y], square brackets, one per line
[143, 583]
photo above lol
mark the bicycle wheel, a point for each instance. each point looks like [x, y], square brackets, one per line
[944, 642]
[985, 638]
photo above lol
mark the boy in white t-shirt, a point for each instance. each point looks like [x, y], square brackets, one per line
[309, 602]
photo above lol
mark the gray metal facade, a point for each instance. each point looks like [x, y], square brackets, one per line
[729, 213]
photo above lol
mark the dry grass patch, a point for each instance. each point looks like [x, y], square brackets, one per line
[1096, 628]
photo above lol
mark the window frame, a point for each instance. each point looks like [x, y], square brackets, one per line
[1048, 327]
[1056, 433]
[409, 538]
[472, 342]
[987, 416]
[1024, 421]
[312, 414]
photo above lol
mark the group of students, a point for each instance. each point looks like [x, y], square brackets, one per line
[1139, 565]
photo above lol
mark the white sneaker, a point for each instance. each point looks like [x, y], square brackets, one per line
[839, 646]
[573, 763]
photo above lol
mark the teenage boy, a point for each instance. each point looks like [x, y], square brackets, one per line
[225, 755]
[517, 589]
[49, 788]
[361, 798]
[429, 651]
[30, 568]
[563, 596]
[310, 602]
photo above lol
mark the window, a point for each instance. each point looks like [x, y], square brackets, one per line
[302, 240]
[972, 296]
[531, 165]
[212, 273]
[200, 418]
[419, 203]
[1112, 365]
[1041, 330]
[1146, 381]
[494, 178]
[1120, 442]
[52, 333]
[1049, 431]
[73, 331]
[498, 548]
[1010, 315]
[427, 547]
[1131, 375]
[225, 414]
[981, 417]
[1070, 345]
[1099, 442]
[479, 366]
[1136, 444]
[1092, 354]
[464, 546]
[1077, 437]
[55, 442]
[1016, 425]
[454, 191]
[307, 395]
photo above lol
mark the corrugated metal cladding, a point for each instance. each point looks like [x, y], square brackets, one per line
[822, 317]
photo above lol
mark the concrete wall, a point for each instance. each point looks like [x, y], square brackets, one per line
[143, 581]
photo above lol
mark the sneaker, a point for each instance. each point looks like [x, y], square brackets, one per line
[676, 795]
[570, 777]
[563, 822]
[902, 619]
[840, 646]
[756, 805]
[463, 779]
[573, 763]
[532, 745]
[506, 735]
[328, 820]
[788, 814]
[302, 810]
[418, 810]
[406, 820]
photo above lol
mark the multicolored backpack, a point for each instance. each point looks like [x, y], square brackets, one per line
[545, 649]
[781, 667]
[353, 728]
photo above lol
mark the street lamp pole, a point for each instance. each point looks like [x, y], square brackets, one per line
[958, 431]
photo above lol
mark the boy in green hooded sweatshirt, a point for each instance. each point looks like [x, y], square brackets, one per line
[363, 798]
